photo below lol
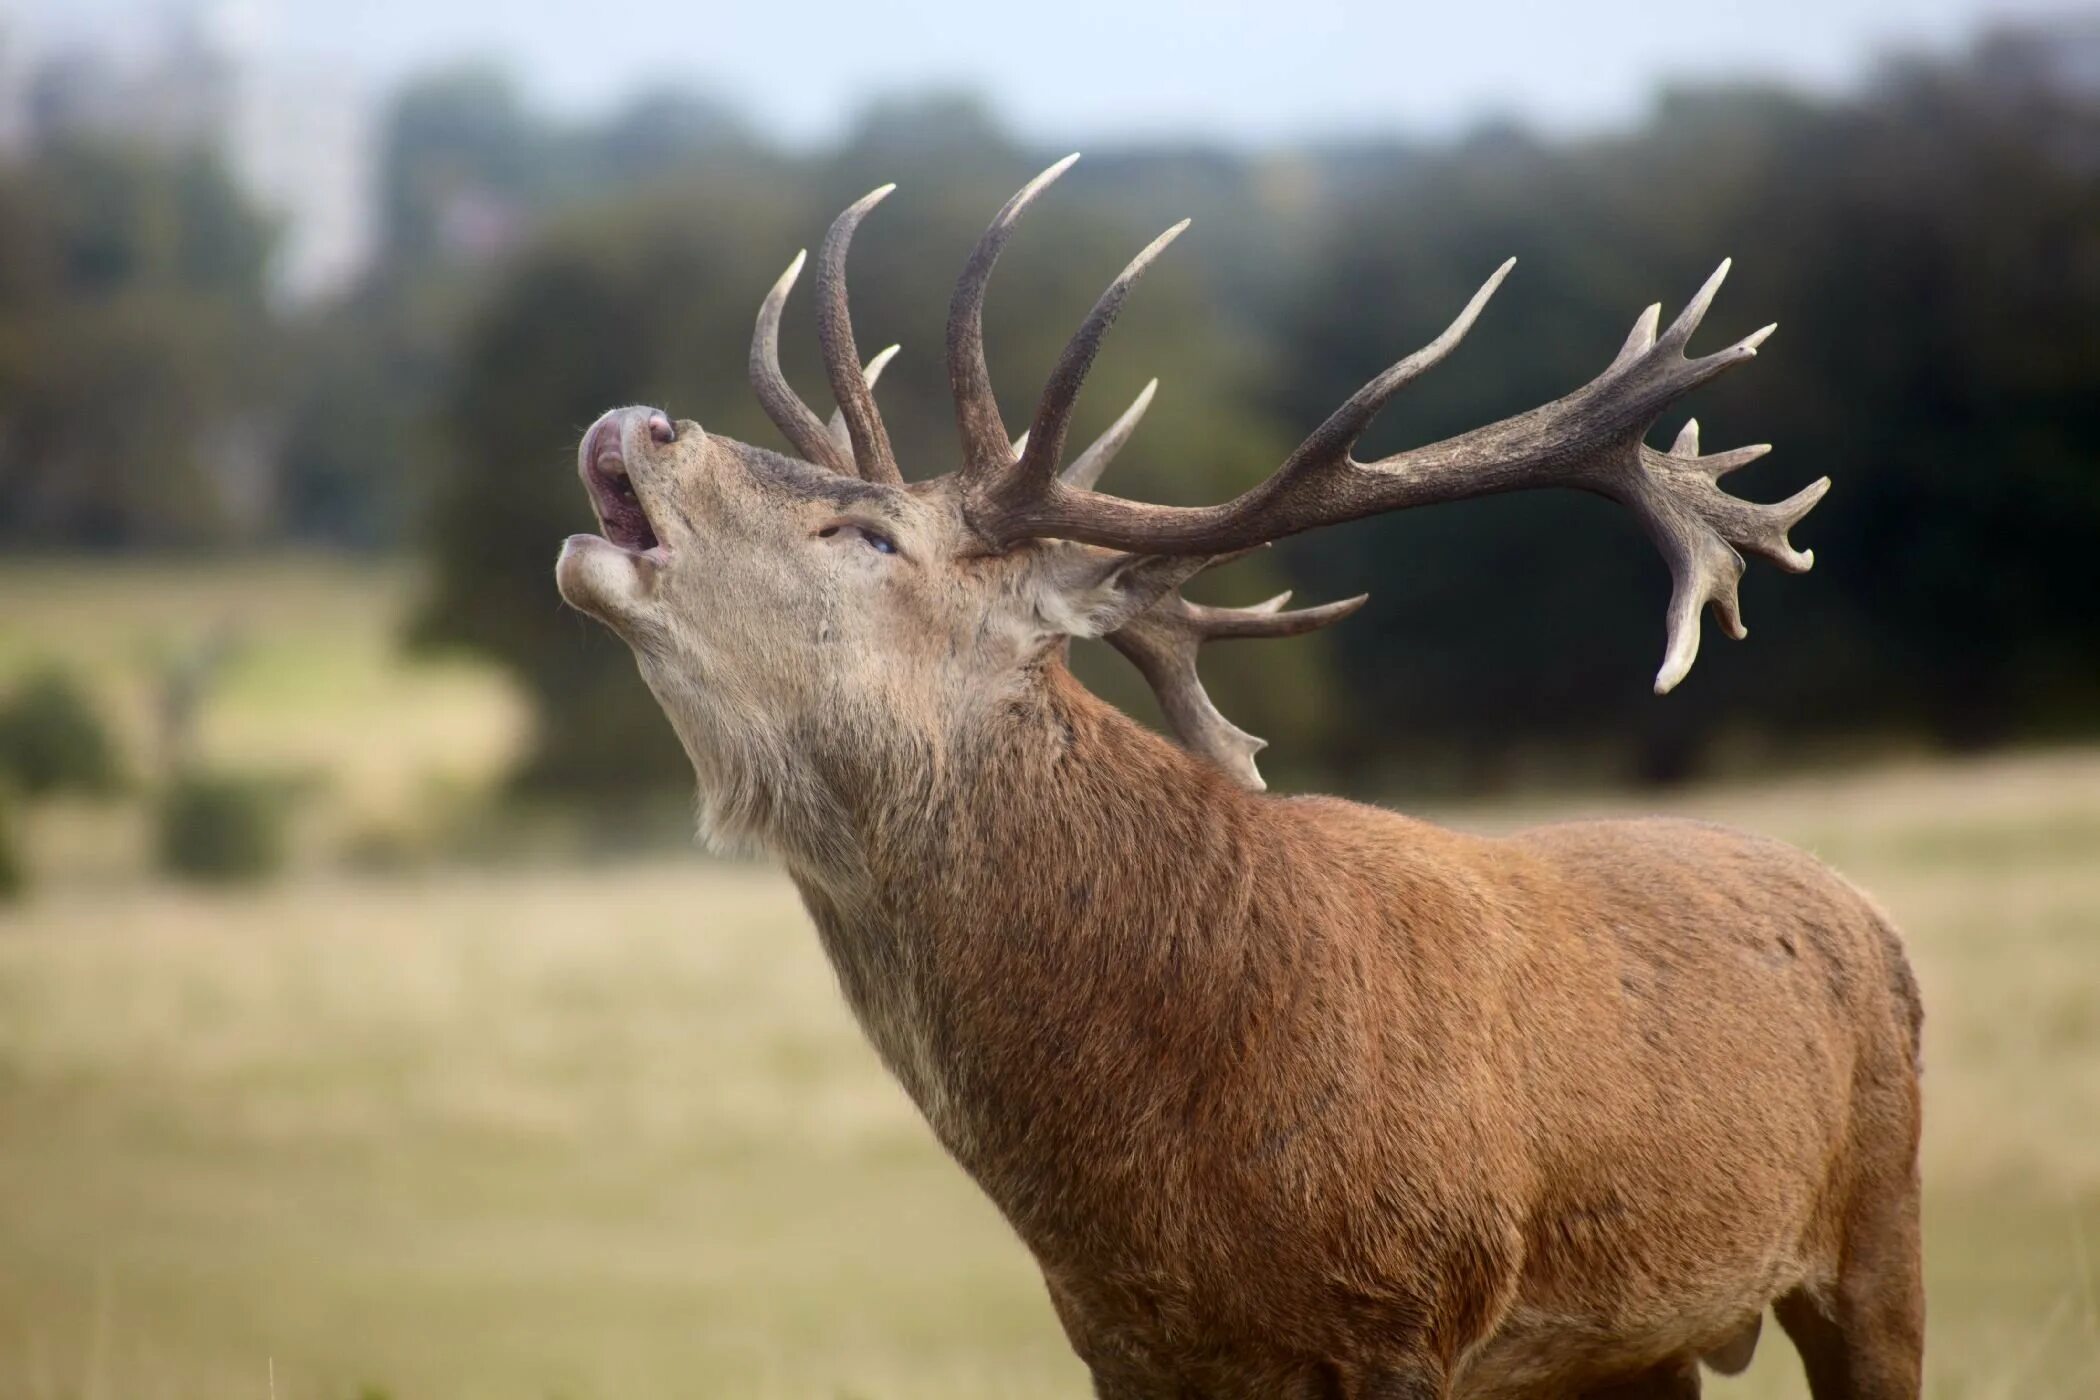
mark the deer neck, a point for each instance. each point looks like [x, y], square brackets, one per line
[1043, 916]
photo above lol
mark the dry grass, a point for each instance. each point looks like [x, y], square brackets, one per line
[589, 1132]
[605, 1130]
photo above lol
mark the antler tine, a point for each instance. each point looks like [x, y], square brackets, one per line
[1162, 642]
[984, 441]
[1087, 467]
[1053, 415]
[871, 441]
[1269, 619]
[841, 436]
[1640, 339]
[1702, 534]
[1694, 312]
[1701, 573]
[1331, 442]
[1718, 464]
[797, 422]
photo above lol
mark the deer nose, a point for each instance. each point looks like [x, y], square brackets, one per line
[660, 427]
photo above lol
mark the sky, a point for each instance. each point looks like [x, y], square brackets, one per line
[1238, 71]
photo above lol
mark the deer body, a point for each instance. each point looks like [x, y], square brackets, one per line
[1289, 1097]
[1284, 1084]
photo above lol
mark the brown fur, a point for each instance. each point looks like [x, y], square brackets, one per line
[1288, 1096]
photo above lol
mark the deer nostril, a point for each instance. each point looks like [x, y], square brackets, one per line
[660, 429]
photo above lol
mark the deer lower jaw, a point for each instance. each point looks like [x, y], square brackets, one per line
[599, 577]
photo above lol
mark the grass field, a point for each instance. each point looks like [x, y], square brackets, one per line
[569, 1129]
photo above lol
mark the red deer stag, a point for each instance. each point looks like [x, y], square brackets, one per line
[1287, 1096]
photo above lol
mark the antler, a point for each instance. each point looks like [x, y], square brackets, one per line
[1592, 440]
[826, 446]
[1037, 462]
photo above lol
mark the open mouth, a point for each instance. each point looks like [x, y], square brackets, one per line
[620, 513]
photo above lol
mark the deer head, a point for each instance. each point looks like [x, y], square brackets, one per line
[817, 627]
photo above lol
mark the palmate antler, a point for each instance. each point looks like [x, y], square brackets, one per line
[1593, 439]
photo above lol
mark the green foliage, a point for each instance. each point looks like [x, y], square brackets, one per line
[222, 828]
[53, 739]
[354, 446]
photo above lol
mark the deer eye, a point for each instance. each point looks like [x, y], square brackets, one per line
[866, 534]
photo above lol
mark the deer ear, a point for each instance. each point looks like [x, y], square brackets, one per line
[1090, 592]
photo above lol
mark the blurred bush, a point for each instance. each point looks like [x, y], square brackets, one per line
[222, 827]
[52, 739]
[14, 875]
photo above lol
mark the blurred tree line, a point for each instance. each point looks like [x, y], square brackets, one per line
[136, 354]
[1929, 246]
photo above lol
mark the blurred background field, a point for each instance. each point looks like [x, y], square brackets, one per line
[368, 1026]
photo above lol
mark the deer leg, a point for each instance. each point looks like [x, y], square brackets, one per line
[1865, 1338]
